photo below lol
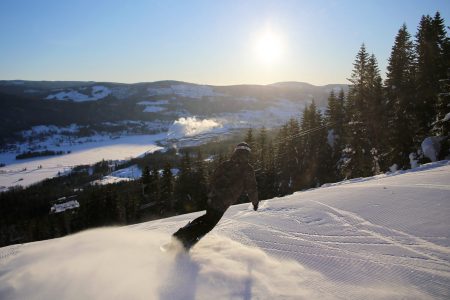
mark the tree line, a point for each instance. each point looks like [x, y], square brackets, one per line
[377, 126]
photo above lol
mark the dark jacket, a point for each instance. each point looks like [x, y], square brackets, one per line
[231, 179]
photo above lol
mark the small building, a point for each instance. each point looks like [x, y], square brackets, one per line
[64, 210]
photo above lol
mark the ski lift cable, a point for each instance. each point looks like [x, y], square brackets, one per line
[305, 132]
[300, 134]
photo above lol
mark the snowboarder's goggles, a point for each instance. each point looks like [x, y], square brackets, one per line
[243, 148]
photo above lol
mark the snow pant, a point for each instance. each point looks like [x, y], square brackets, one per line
[190, 234]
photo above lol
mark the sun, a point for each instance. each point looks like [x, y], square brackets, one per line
[268, 47]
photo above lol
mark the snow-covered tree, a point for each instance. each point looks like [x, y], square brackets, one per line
[432, 64]
[399, 87]
[356, 159]
[335, 117]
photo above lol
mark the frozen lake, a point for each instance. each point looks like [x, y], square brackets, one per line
[29, 171]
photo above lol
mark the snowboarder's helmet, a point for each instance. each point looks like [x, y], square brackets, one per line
[243, 147]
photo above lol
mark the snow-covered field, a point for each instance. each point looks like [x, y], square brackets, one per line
[185, 90]
[385, 237]
[98, 92]
[154, 106]
[29, 171]
[126, 174]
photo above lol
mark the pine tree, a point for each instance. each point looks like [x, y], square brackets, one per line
[145, 179]
[315, 157]
[356, 160]
[262, 147]
[335, 115]
[250, 140]
[271, 187]
[167, 187]
[375, 116]
[444, 106]
[280, 159]
[307, 157]
[399, 87]
[429, 71]
[183, 185]
[441, 128]
[443, 46]
[293, 151]
[332, 110]
[154, 187]
[286, 158]
[199, 191]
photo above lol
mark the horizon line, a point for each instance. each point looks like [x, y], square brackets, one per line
[173, 80]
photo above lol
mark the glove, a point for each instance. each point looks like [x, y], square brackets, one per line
[255, 206]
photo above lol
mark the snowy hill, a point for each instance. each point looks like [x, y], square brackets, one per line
[24, 104]
[385, 237]
[70, 116]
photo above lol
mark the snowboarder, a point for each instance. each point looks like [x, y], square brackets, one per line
[231, 179]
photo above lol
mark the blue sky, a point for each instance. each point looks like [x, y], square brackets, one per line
[211, 42]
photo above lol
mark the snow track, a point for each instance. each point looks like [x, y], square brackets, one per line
[386, 237]
[362, 232]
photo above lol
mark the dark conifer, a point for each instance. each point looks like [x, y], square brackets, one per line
[335, 115]
[183, 185]
[154, 187]
[250, 140]
[145, 180]
[356, 160]
[199, 186]
[271, 187]
[428, 69]
[167, 187]
[281, 160]
[262, 147]
[375, 117]
[399, 87]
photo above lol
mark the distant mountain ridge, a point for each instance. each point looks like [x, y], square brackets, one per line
[24, 104]
[34, 89]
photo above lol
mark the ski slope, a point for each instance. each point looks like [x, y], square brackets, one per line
[385, 237]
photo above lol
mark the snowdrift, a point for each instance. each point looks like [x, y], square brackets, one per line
[385, 237]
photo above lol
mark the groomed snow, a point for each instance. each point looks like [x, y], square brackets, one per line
[385, 237]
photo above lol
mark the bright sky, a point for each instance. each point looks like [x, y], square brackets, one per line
[211, 42]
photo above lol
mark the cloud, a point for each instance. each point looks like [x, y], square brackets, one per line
[191, 126]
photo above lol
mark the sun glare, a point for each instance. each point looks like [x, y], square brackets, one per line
[268, 47]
